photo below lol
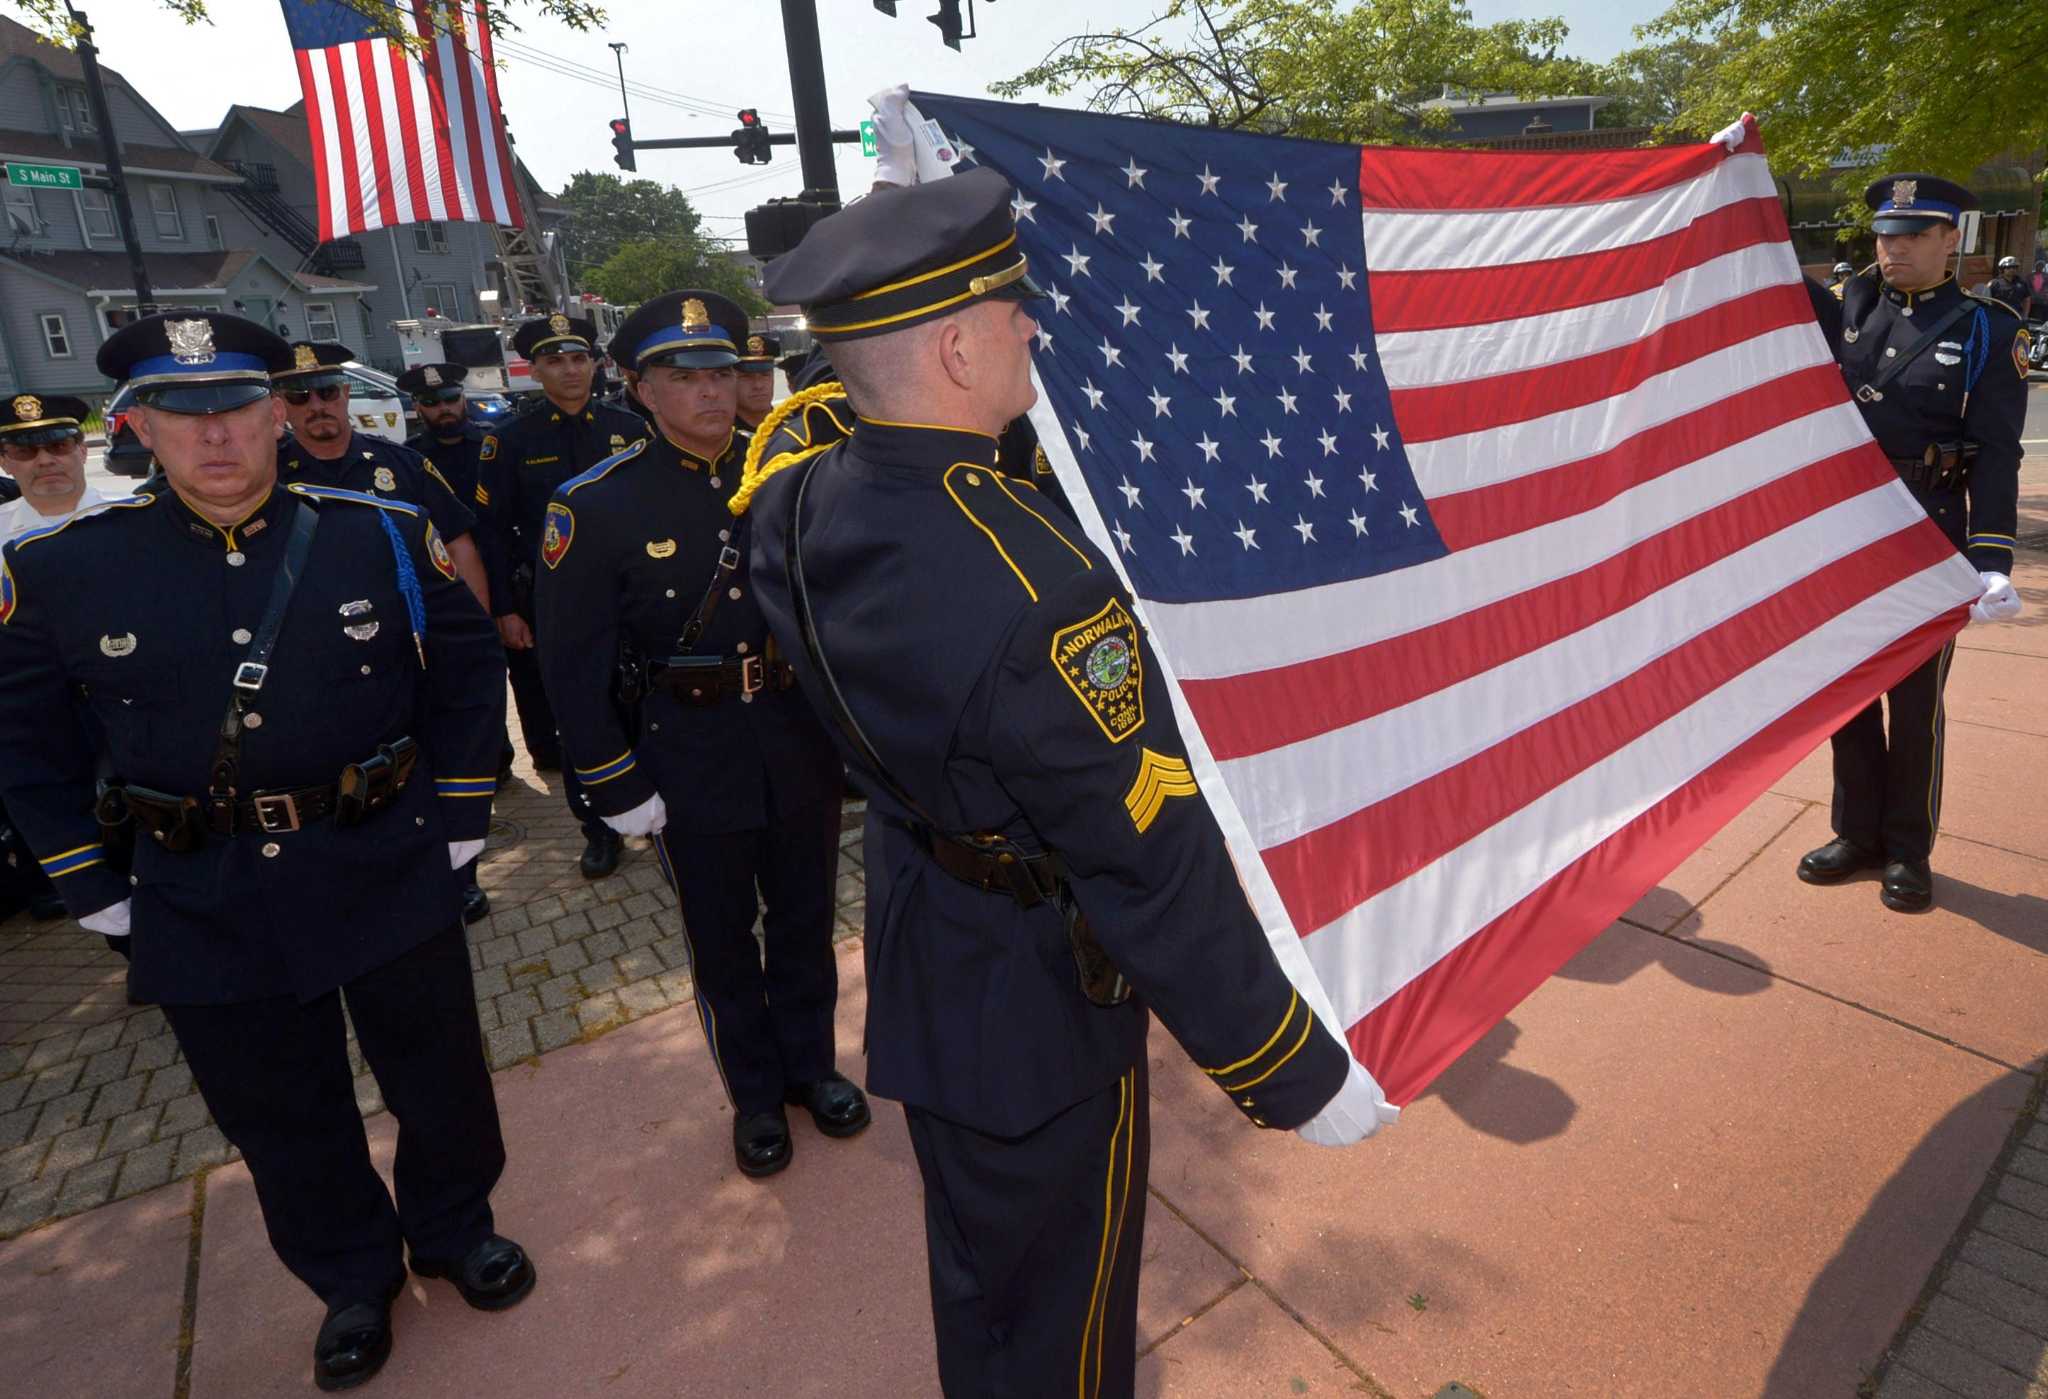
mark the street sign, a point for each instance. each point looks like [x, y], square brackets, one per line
[45, 176]
[867, 138]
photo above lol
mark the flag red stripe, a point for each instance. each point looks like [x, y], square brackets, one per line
[323, 178]
[1487, 513]
[476, 195]
[1426, 179]
[366, 54]
[351, 184]
[1244, 715]
[1474, 405]
[437, 99]
[1329, 871]
[1417, 1032]
[512, 213]
[400, 63]
[1445, 299]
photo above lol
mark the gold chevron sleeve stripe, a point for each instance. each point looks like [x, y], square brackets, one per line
[1158, 778]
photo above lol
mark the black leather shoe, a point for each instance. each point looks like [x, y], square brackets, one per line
[600, 852]
[1836, 861]
[475, 903]
[354, 1342]
[1908, 886]
[493, 1276]
[839, 1108]
[45, 908]
[760, 1143]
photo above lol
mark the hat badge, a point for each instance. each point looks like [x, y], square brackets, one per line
[432, 376]
[1904, 192]
[695, 317]
[756, 345]
[558, 323]
[191, 341]
[28, 408]
[303, 357]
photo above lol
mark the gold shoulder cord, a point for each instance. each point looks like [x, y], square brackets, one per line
[753, 473]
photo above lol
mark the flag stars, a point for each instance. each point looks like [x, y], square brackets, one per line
[1244, 361]
[1302, 359]
[1111, 355]
[1081, 435]
[1286, 402]
[1247, 537]
[1343, 398]
[1222, 270]
[1180, 225]
[1208, 446]
[1314, 484]
[1306, 530]
[1134, 175]
[1208, 179]
[1287, 275]
[1410, 516]
[1328, 442]
[1094, 394]
[1130, 493]
[1162, 406]
[1186, 541]
[1154, 269]
[1199, 315]
[1372, 482]
[1337, 193]
[1128, 311]
[1177, 357]
[1358, 524]
[1144, 445]
[1226, 404]
[1323, 316]
[1123, 536]
[1249, 229]
[1044, 338]
[1258, 490]
[1346, 278]
[1271, 444]
[1020, 208]
[1358, 357]
[1076, 260]
[1053, 165]
[1380, 436]
[1265, 316]
[1194, 493]
[1310, 233]
[1103, 219]
[1276, 188]
[965, 151]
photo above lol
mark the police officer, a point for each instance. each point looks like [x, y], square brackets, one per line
[757, 378]
[562, 435]
[1037, 848]
[2011, 288]
[1842, 273]
[1941, 378]
[732, 775]
[42, 449]
[298, 705]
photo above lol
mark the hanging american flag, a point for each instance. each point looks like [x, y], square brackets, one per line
[1502, 519]
[398, 137]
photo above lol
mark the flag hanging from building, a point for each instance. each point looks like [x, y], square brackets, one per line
[401, 137]
[1501, 517]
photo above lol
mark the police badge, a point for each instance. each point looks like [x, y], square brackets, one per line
[695, 317]
[756, 345]
[360, 622]
[191, 341]
[1904, 192]
[383, 479]
[432, 377]
[558, 323]
[304, 357]
[27, 408]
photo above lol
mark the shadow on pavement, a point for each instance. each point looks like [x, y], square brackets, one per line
[1729, 970]
[1493, 1096]
[2021, 918]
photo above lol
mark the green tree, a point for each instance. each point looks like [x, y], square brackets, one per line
[641, 270]
[52, 18]
[1315, 68]
[1941, 85]
[607, 213]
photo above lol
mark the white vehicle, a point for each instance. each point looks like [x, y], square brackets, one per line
[478, 347]
[375, 405]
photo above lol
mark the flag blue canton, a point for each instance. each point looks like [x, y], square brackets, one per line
[1207, 343]
[321, 24]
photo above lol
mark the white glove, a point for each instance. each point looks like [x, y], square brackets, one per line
[1353, 1115]
[461, 852]
[645, 819]
[1999, 603]
[111, 921]
[1732, 136]
[895, 152]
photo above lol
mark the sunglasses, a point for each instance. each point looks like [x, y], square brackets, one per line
[428, 400]
[26, 452]
[326, 393]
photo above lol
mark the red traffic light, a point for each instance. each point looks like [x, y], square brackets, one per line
[620, 126]
[749, 117]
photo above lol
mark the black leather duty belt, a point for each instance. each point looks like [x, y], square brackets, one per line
[1029, 879]
[183, 823]
[703, 680]
[1943, 466]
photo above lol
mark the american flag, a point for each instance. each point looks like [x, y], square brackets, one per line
[397, 138]
[1501, 517]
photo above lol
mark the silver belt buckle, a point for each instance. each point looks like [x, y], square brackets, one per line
[1866, 394]
[250, 675]
[752, 675]
[275, 814]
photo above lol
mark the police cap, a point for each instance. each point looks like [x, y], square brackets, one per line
[194, 361]
[760, 354]
[555, 335]
[314, 362]
[433, 383]
[903, 256]
[30, 419]
[1910, 203]
[690, 329]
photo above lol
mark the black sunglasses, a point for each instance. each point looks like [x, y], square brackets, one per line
[428, 399]
[29, 451]
[326, 393]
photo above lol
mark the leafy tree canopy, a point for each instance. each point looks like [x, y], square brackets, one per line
[52, 18]
[607, 213]
[641, 270]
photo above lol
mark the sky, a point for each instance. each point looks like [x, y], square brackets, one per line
[685, 54]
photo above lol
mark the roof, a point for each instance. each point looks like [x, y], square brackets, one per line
[1508, 102]
[43, 145]
[168, 272]
[19, 41]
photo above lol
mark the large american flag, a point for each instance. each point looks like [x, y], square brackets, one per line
[1501, 517]
[397, 138]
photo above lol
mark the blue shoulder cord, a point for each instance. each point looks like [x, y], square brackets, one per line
[408, 586]
[1976, 354]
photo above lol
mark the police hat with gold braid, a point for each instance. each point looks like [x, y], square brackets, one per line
[556, 335]
[194, 361]
[690, 329]
[314, 362]
[29, 419]
[1911, 202]
[903, 256]
[759, 354]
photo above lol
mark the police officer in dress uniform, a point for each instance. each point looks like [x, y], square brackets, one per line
[323, 448]
[561, 436]
[299, 706]
[757, 378]
[1941, 378]
[1043, 872]
[731, 773]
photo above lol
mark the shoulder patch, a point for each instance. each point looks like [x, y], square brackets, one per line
[1100, 662]
[489, 449]
[437, 552]
[2022, 342]
[6, 586]
[601, 470]
[556, 533]
[354, 497]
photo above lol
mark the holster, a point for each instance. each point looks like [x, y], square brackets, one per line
[368, 787]
[996, 865]
[179, 824]
[1943, 466]
[116, 821]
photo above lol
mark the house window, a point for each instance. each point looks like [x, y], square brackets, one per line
[163, 207]
[213, 232]
[56, 339]
[21, 211]
[73, 110]
[96, 213]
[430, 237]
[438, 298]
[320, 321]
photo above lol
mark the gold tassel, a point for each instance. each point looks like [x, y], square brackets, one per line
[754, 472]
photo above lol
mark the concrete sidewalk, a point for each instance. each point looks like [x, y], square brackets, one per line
[1758, 1139]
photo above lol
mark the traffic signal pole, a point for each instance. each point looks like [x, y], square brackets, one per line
[814, 133]
[110, 155]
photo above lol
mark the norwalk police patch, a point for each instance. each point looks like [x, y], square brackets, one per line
[1099, 661]
[488, 450]
[6, 591]
[556, 533]
[438, 552]
[2022, 342]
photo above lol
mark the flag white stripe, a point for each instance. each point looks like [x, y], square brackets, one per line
[1428, 240]
[1212, 640]
[1378, 947]
[394, 139]
[430, 136]
[464, 202]
[1285, 793]
[473, 74]
[330, 142]
[1416, 359]
[359, 123]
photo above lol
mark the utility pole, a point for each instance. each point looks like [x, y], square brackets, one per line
[110, 154]
[807, 83]
[619, 52]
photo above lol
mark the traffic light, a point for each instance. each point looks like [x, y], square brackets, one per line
[622, 144]
[948, 21]
[887, 7]
[750, 139]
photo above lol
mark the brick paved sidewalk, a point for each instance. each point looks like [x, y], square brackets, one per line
[96, 1102]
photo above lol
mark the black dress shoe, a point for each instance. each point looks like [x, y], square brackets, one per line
[546, 762]
[494, 1275]
[839, 1108]
[354, 1342]
[45, 908]
[1908, 886]
[760, 1142]
[475, 903]
[1836, 861]
[600, 852]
